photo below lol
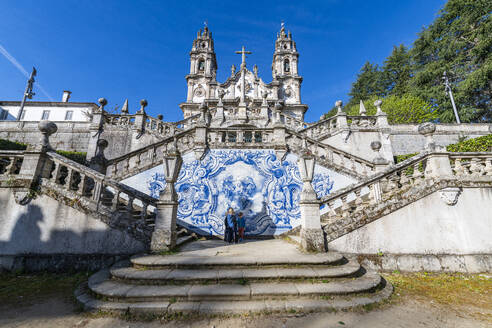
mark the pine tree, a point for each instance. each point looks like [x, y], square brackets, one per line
[397, 71]
[459, 41]
[370, 82]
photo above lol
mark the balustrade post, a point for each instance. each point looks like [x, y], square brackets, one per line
[312, 237]
[380, 163]
[164, 235]
[96, 128]
[99, 162]
[438, 165]
[36, 163]
[341, 116]
[140, 118]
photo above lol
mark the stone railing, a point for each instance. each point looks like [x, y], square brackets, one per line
[239, 137]
[321, 128]
[121, 206]
[361, 203]
[150, 156]
[330, 156]
[292, 122]
[10, 162]
[159, 127]
[119, 119]
[187, 122]
[362, 121]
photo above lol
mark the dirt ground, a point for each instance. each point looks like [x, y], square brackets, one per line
[420, 300]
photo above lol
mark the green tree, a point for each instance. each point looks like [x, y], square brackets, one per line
[397, 71]
[370, 82]
[458, 41]
[400, 110]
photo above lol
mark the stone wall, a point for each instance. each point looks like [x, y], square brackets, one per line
[406, 140]
[47, 233]
[71, 136]
[427, 227]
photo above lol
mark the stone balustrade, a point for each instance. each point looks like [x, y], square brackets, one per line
[361, 122]
[234, 137]
[321, 128]
[330, 156]
[119, 119]
[187, 122]
[10, 162]
[292, 122]
[382, 193]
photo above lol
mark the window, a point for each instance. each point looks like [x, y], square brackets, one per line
[4, 114]
[46, 115]
[201, 65]
[68, 115]
[286, 66]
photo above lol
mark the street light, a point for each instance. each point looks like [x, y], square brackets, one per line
[447, 87]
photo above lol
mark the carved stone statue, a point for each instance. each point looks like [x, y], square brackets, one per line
[233, 70]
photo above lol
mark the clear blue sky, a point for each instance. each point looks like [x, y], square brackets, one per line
[139, 49]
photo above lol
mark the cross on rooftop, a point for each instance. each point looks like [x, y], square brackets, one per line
[243, 57]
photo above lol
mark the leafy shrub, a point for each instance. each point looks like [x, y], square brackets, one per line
[471, 145]
[12, 145]
[401, 158]
[75, 156]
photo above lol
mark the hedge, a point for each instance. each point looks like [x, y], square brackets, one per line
[78, 157]
[471, 145]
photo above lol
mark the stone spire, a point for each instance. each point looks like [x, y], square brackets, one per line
[124, 109]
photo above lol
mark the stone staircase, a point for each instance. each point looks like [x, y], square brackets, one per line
[361, 203]
[210, 278]
[281, 139]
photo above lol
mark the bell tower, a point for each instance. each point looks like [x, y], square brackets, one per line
[203, 68]
[284, 67]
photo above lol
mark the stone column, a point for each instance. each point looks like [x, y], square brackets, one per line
[438, 164]
[341, 116]
[140, 118]
[312, 237]
[36, 164]
[96, 128]
[381, 117]
[279, 135]
[164, 235]
[99, 162]
[379, 161]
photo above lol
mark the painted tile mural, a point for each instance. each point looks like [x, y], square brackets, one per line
[254, 182]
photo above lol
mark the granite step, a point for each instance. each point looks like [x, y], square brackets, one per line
[102, 285]
[184, 239]
[182, 261]
[122, 271]
[209, 307]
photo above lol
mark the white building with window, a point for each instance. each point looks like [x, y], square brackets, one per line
[53, 111]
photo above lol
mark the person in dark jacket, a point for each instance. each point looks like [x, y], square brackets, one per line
[230, 224]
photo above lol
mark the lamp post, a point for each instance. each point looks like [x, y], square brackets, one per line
[450, 92]
[28, 93]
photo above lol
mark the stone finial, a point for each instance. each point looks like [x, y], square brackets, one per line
[338, 105]
[426, 128]
[255, 71]
[102, 102]
[124, 109]
[378, 104]
[233, 70]
[376, 147]
[143, 104]
[47, 128]
[362, 108]
[160, 117]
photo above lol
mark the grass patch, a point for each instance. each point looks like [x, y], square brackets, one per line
[16, 289]
[455, 291]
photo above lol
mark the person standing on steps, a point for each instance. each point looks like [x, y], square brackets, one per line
[241, 225]
[230, 224]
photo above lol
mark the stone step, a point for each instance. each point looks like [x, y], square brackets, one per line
[173, 276]
[184, 239]
[208, 307]
[183, 261]
[102, 285]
